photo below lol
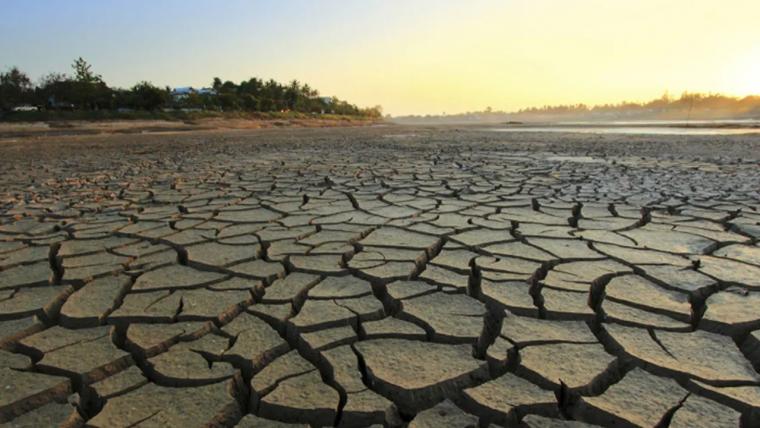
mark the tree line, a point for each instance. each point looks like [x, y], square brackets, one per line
[86, 90]
[689, 103]
[686, 107]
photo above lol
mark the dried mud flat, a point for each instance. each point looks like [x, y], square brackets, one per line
[387, 276]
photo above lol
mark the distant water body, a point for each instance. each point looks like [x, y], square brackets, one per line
[644, 127]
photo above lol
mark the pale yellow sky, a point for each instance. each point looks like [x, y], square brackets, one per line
[514, 54]
[410, 56]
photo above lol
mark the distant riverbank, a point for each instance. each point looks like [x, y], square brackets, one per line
[167, 115]
[73, 123]
[644, 127]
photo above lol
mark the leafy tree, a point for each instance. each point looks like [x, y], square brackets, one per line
[15, 89]
[91, 91]
[56, 89]
[228, 101]
[83, 72]
[291, 95]
[228, 87]
[194, 100]
[375, 112]
[217, 84]
[122, 98]
[145, 96]
[249, 102]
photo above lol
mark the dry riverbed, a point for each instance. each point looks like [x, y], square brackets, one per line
[383, 275]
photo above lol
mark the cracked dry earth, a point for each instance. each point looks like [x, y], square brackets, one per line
[377, 278]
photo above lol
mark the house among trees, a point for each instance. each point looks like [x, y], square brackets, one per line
[183, 92]
[87, 91]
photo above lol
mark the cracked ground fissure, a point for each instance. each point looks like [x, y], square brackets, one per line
[315, 281]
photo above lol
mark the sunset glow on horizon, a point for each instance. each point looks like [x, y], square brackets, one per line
[414, 57]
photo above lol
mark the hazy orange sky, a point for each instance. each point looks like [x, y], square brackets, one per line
[419, 56]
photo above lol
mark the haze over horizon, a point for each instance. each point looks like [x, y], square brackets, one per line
[427, 57]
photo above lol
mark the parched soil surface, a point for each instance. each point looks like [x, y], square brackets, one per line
[380, 276]
[15, 131]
